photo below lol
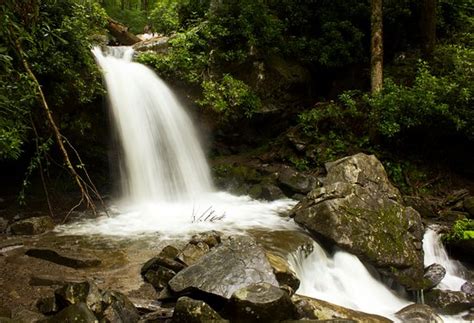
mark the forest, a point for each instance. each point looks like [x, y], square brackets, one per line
[281, 92]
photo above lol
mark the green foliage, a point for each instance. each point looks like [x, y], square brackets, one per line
[231, 98]
[432, 102]
[164, 17]
[56, 38]
[461, 230]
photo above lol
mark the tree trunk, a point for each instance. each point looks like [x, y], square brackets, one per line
[376, 46]
[428, 26]
[121, 33]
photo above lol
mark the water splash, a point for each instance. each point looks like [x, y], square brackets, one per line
[163, 159]
[436, 253]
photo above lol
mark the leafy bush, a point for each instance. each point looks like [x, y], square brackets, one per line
[231, 98]
[461, 230]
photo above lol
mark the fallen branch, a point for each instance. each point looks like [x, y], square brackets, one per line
[121, 33]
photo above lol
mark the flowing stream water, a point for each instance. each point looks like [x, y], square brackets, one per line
[168, 191]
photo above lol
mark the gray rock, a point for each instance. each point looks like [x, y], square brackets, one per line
[118, 308]
[32, 226]
[468, 288]
[156, 44]
[159, 277]
[51, 280]
[425, 207]
[170, 252]
[70, 260]
[449, 302]
[75, 293]
[193, 252]
[418, 313]
[3, 225]
[284, 274]
[188, 310]
[23, 315]
[271, 192]
[157, 262]
[434, 274]
[468, 205]
[236, 263]
[296, 182]
[261, 302]
[311, 308]
[161, 315]
[75, 313]
[360, 211]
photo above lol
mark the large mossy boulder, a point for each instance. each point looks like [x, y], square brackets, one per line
[449, 302]
[360, 211]
[32, 226]
[75, 313]
[188, 310]
[418, 313]
[237, 262]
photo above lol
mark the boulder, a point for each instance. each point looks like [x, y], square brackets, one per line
[311, 308]
[118, 308]
[284, 274]
[468, 205]
[159, 277]
[434, 274]
[360, 211]
[418, 313]
[65, 259]
[237, 262]
[32, 226]
[271, 192]
[75, 293]
[449, 302]
[170, 252]
[5, 312]
[23, 315]
[296, 182]
[468, 288]
[261, 302]
[160, 261]
[193, 252]
[75, 313]
[188, 310]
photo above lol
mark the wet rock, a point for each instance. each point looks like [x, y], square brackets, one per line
[296, 182]
[159, 277]
[32, 226]
[75, 293]
[470, 315]
[283, 273]
[237, 262]
[162, 315]
[311, 308]
[468, 205]
[47, 305]
[5, 312]
[70, 260]
[188, 310]
[449, 302]
[118, 308]
[360, 211]
[157, 262]
[165, 295]
[418, 313]
[170, 252]
[434, 274]
[261, 302]
[3, 225]
[271, 192]
[211, 238]
[468, 288]
[193, 252]
[426, 208]
[75, 313]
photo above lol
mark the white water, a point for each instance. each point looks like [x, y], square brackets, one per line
[342, 279]
[163, 158]
[436, 253]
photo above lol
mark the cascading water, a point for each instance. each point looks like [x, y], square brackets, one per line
[169, 191]
[436, 253]
[163, 159]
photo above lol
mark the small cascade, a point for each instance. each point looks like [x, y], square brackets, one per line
[343, 280]
[163, 159]
[436, 253]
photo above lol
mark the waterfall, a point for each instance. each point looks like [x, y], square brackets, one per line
[436, 253]
[163, 159]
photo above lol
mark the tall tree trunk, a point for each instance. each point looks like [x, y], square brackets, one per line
[428, 26]
[376, 46]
